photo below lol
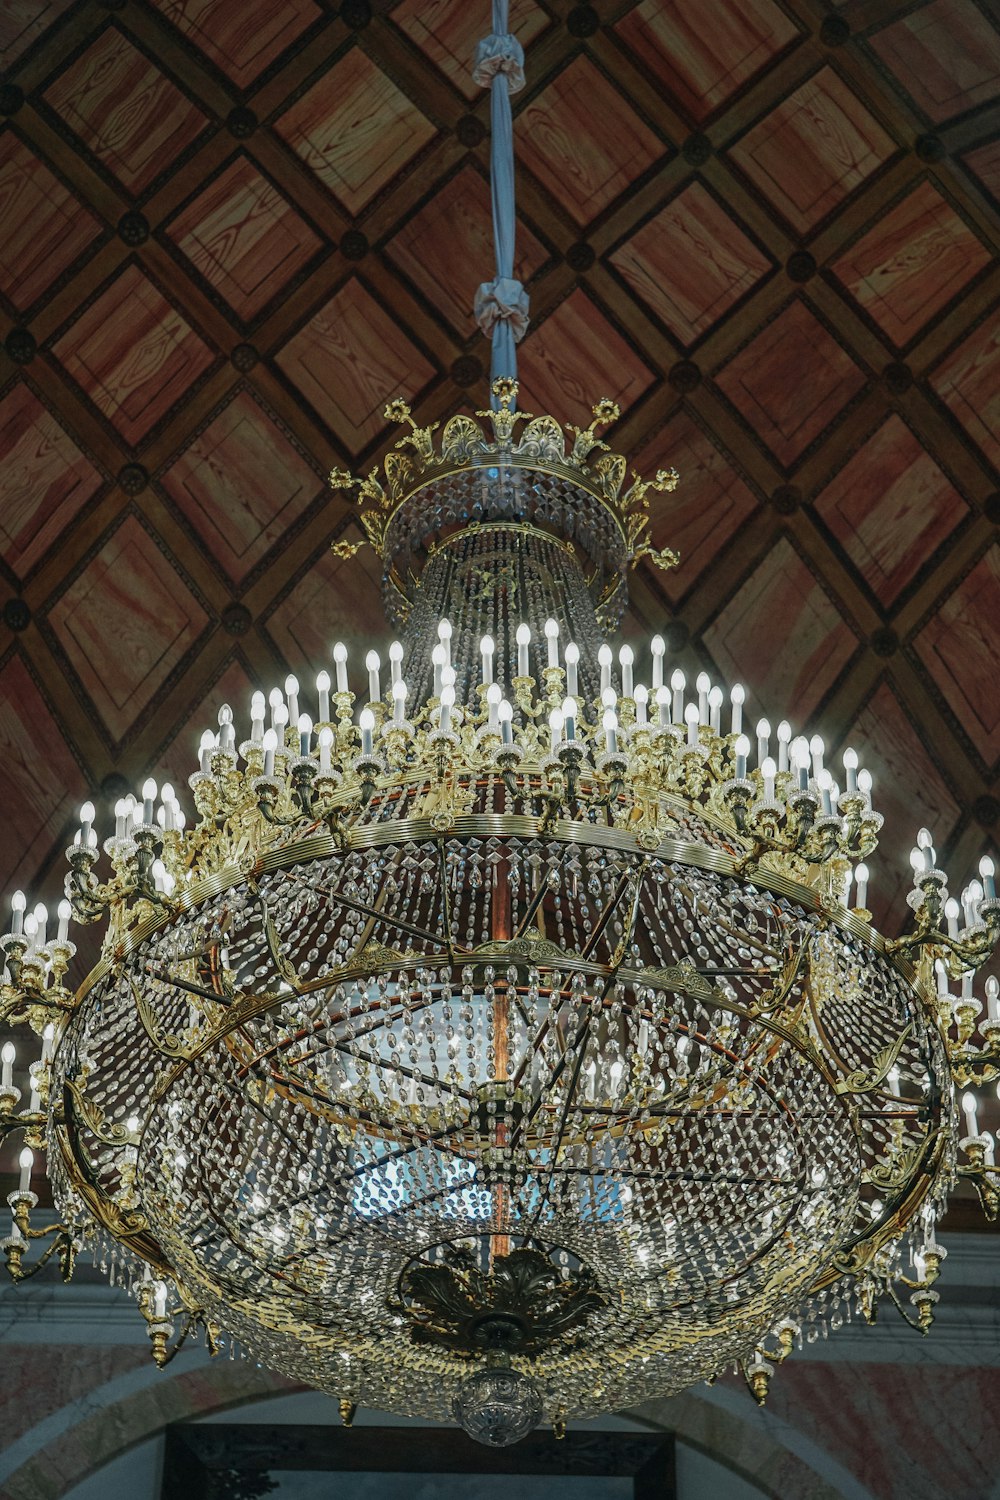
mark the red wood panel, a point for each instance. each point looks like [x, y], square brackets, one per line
[815, 148]
[968, 380]
[244, 237]
[220, 29]
[447, 31]
[704, 53]
[575, 357]
[960, 647]
[896, 755]
[44, 480]
[710, 504]
[446, 248]
[349, 359]
[133, 354]
[690, 263]
[355, 129]
[23, 22]
[332, 601]
[782, 636]
[791, 381]
[913, 261]
[125, 622]
[43, 228]
[891, 509]
[121, 106]
[38, 805]
[946, 55]
[583, 141]
[241, 484]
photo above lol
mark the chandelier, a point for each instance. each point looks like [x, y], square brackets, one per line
[502, 1032]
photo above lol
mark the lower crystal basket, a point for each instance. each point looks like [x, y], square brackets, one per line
[618, 1095]
[497, 1406]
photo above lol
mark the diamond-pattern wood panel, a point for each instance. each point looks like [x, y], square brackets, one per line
[229, 229]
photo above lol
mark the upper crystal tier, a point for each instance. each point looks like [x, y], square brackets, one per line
[573, 489]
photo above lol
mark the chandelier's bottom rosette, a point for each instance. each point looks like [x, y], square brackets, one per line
[445, 1048]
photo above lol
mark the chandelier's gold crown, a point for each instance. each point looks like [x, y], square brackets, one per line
[585, 461]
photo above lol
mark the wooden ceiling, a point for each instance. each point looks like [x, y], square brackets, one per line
[230, 229]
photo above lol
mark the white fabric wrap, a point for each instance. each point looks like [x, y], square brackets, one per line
[502, 300]
[499, 54]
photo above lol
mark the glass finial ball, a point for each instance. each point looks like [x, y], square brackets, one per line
[497, 1406]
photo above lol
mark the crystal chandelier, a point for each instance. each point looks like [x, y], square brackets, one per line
[504, 1035]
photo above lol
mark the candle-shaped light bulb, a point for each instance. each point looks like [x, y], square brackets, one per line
[969, 1110]
[658, 650]
[993, 998]
[41, 915]
[25, 1161]
[851, 768]
[270, 743]
[292, 694]
[861, 883]
[663, 705]
[448, 678]
[373, 664]
[800, 761]
[8, 1053]
[941, 975]
[691, 720]
[610, 723]
[763, 740]
[258, 708]
[325, 747]
[626, 660]
[604, 660]
[555, 728]
[892, 1079]
[30, 928]
[64, 911]
[703, 684]
[366, 723]
[677, 685]
[926, 845]
[572, 665]
[493, 695]
[641, 696]
[86, 823]
[447, 704]
[323, 696]
[305, 727]
[987, 871]
[276, 700]
[715, 697]
[395, 661]
[917, 862]
[487, 646]
[737, 698]
[505, 714]
[816, 749]
[552, 642]
[569, 718]
[159, 873]
[160, 1301]
[227, 734]
[340, 666]
[18, 902]
[742, 751]
[148, 799]
[784, 742]
[399, 692]
[952, 911]
[444, 636]
[824, 782]
[523, 638]
[768, 771]
[865, 785]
